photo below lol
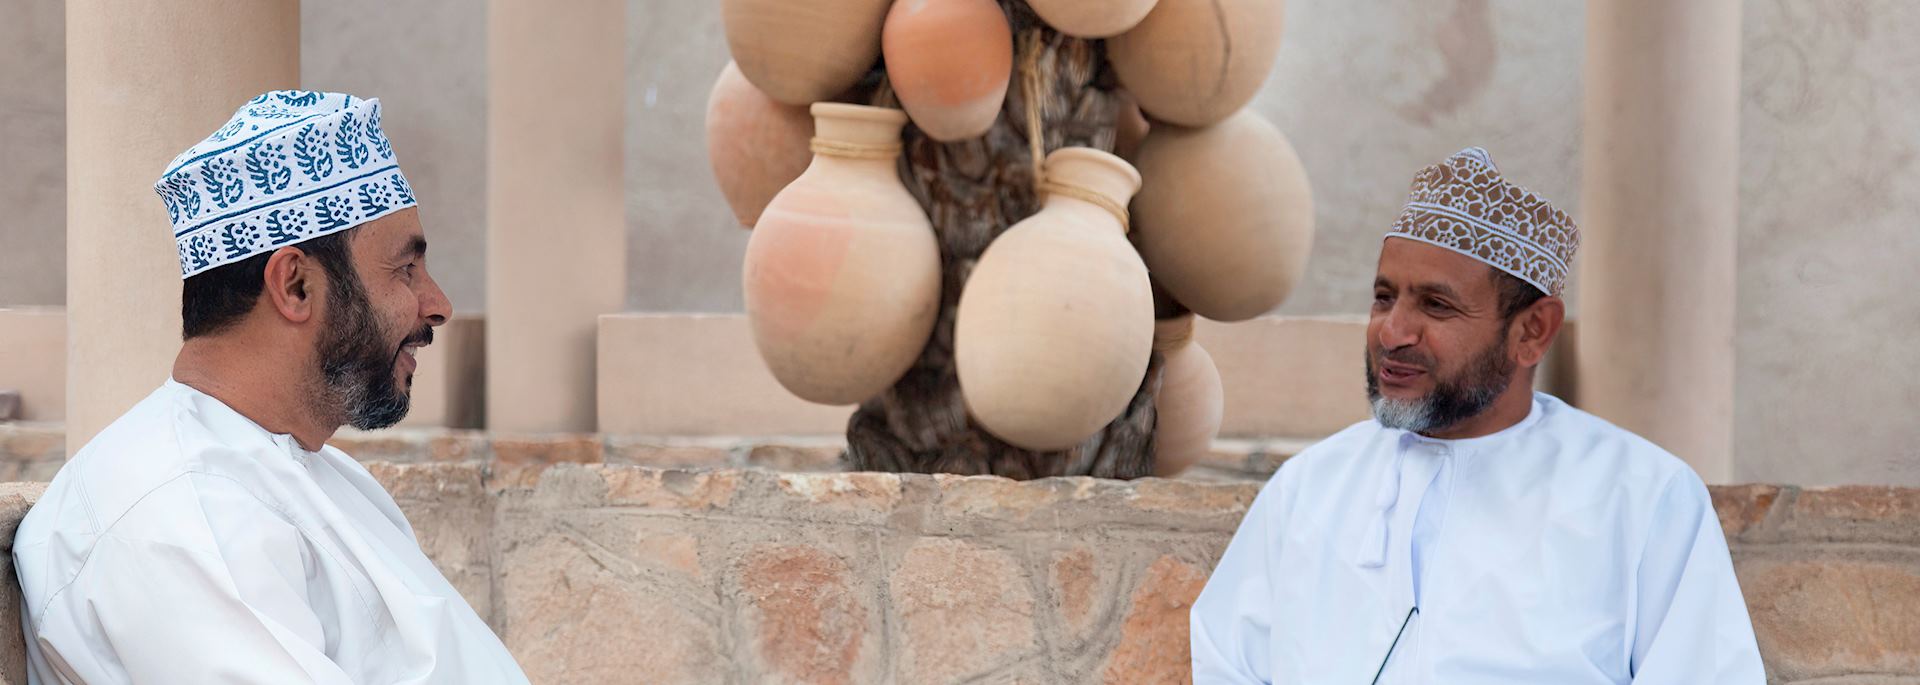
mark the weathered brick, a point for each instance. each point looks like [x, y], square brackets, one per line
[1153, 639]
[669, 489]
[1855, 513]
[1742, 507]
[665, 454]
[381, 446]
[861, 497]
[992, 497]
[1075, 582]
[28, 442]
[15, 500]
[809, 623]
[796, 457]
[452, 516]
[457, 446]
[569, 617]
[518, 461]
[1833, 616]
[1193, 499]
[963, 609]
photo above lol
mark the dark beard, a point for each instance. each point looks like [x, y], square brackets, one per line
[356, 361]
[1456, 399]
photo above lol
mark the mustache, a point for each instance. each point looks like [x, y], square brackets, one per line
[1405, 356]
[424, 336]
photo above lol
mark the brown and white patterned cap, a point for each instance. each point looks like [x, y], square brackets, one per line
[1463, 205]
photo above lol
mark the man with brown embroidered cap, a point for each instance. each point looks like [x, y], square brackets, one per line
[1475, 531]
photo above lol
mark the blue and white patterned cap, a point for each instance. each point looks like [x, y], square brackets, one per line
[290, 166]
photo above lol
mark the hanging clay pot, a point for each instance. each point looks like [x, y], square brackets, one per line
[1225, 219]
[1129, 128]
[842, 273]
[1055, 327]
[1190, 401]
[1193, 62]
[1091, 18]
[949, 62]
[803, 51]
[757, 145]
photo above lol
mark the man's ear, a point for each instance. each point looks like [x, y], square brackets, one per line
[1535, 328]
[292, 284]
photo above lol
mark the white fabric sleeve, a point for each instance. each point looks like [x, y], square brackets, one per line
[1231, 621]
[1691, 625]
[234, 610]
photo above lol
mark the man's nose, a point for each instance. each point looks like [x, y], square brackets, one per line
[434, 304]
[1398, 329]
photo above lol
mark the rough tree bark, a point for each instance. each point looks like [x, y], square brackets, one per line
[973, 191]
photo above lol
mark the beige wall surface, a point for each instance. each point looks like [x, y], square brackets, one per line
[1826, 372]
[426, 61]
[33, 152]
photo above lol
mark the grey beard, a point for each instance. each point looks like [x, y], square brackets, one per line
[1451, 401]
[1414, 416]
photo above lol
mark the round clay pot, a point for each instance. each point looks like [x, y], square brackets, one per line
[757, 145]
[1091, 18]
[1130, 127]
[1055, 327]
[1225, 219]
[949, 62]
[803, 51]
[842, 274]
[1193, 62]
[1190, 401]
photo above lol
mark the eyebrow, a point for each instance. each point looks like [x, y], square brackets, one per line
[1440, 289]
[417, 247]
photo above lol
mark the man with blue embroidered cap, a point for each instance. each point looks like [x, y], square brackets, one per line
[209, 535]
[1475, 531]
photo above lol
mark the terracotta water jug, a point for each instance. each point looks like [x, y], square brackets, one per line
[1193, 62]
[949, 62]
[1225, 220]
[1190, 402]
[756, 144]
[842, 273]
[1055, 327]
[803, 51]
[1091, 18]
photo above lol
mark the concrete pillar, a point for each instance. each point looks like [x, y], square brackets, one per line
[556, 232]
[1660, 190]
[145, 80]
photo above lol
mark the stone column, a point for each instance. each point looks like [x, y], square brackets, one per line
[556, 232]
[145, 80]
[1660, 190]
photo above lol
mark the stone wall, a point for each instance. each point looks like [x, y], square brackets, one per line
[606, 560]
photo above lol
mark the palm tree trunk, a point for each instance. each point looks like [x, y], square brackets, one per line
[973, 191]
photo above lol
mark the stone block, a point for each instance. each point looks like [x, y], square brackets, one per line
[665, 453]
[570, 615]
[856, 498]
[15, 500]
[678, 374]
[452, 516]
[9, 404]
[1829, 615]
[31, 451]
[628, 486]
[1855, 513]
[798, 456]
[962, 611]
[1153, 638]
[519, 460]
[808, 617]
[1742, 507]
